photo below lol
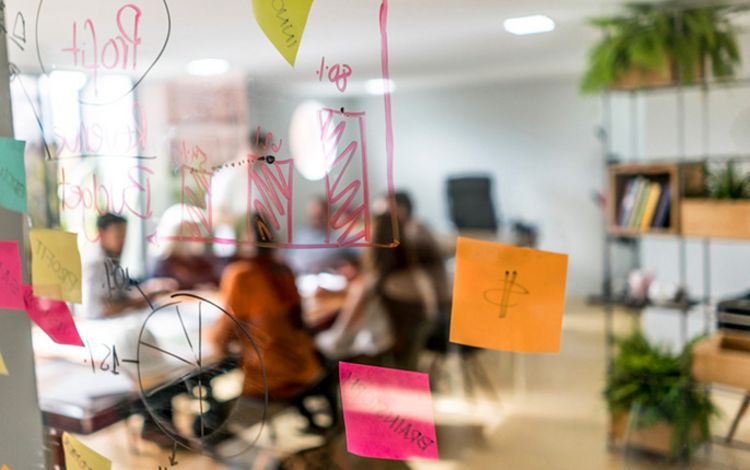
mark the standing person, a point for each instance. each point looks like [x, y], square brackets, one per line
[261, 293]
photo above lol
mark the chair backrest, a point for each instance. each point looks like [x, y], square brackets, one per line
[470, 202]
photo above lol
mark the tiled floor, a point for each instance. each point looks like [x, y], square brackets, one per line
[546, 413]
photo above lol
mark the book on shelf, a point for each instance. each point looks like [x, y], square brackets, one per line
[640, 207]
[628, 199]
[644, 204]
[650, 208]
[661, 217]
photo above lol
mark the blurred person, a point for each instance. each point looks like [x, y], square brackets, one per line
[362, 330]
[398, 285]
[187, 262]
[106, 289]
[312, 260]
[261, 293]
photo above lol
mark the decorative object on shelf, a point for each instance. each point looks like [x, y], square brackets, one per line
[639, 282]
[652, 391]
[663, 293]
[662, 44]
[725, 211]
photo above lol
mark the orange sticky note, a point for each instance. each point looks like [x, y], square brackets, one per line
[5, 467]
[507, 297]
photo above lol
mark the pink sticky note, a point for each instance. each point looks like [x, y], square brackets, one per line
[52, 316]
[11, 289]
[387, 412]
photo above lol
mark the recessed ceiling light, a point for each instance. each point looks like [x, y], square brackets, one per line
[207, 67]
[379, 86]
[533, 24]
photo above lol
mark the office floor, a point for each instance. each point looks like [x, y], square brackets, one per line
[546, 413]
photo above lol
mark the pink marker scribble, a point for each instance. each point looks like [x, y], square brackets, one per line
[90, 197]
[346, 179]
[270, 196]
[271, 182]
[119, 52]
[195, 193]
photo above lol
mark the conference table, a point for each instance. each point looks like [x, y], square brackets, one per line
[85, 389]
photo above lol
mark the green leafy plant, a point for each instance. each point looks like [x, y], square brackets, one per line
[660, 385]
[727, 183]
[660, 37]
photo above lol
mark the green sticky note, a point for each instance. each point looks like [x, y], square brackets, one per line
[12, 175]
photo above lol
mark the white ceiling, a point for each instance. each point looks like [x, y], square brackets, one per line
[431, 41]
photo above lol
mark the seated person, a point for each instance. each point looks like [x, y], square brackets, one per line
[262, 295]
[188, 263]
[405, 285]
[106, 290]
[361, 330]
[314, 232]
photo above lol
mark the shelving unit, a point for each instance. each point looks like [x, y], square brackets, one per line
[685, 179]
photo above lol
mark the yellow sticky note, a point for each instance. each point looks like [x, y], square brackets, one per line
[3, 371]
[507, 297]
[55, 265]
[80, 457]
[283, 22]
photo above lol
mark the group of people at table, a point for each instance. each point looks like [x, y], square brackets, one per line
[394, 299]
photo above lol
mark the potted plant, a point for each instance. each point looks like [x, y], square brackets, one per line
[653, 400]
[659, 44]
[724, 212]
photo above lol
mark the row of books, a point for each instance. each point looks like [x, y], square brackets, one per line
[645, 204]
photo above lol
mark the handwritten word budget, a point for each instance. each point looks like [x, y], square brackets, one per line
[283, 22]
[387, 412]
[80, 457]
[55, 265]
[11, 291]
[507, 297]
[12, 175]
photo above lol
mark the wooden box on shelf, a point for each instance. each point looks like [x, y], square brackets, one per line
[716, 218]
[723, 358]
[676, 178]
[655, 438]
[636, 78]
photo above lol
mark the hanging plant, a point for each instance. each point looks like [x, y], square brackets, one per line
[662, 44]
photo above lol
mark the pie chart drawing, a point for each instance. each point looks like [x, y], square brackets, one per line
[190, 372]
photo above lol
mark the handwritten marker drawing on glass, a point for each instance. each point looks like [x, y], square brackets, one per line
[502, 297]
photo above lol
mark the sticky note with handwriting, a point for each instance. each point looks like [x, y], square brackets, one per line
[11, 290]
[80, 457]
[3, 368]
[507, 297]
[387, 412]
[12, 175]
[55, 265]
[53, 317]
[283, 22]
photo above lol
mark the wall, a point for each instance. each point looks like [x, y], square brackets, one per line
[536, 138]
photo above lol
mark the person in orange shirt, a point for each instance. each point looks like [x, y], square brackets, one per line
[261, 293]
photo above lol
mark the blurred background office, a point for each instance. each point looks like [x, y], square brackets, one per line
[523, 123]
